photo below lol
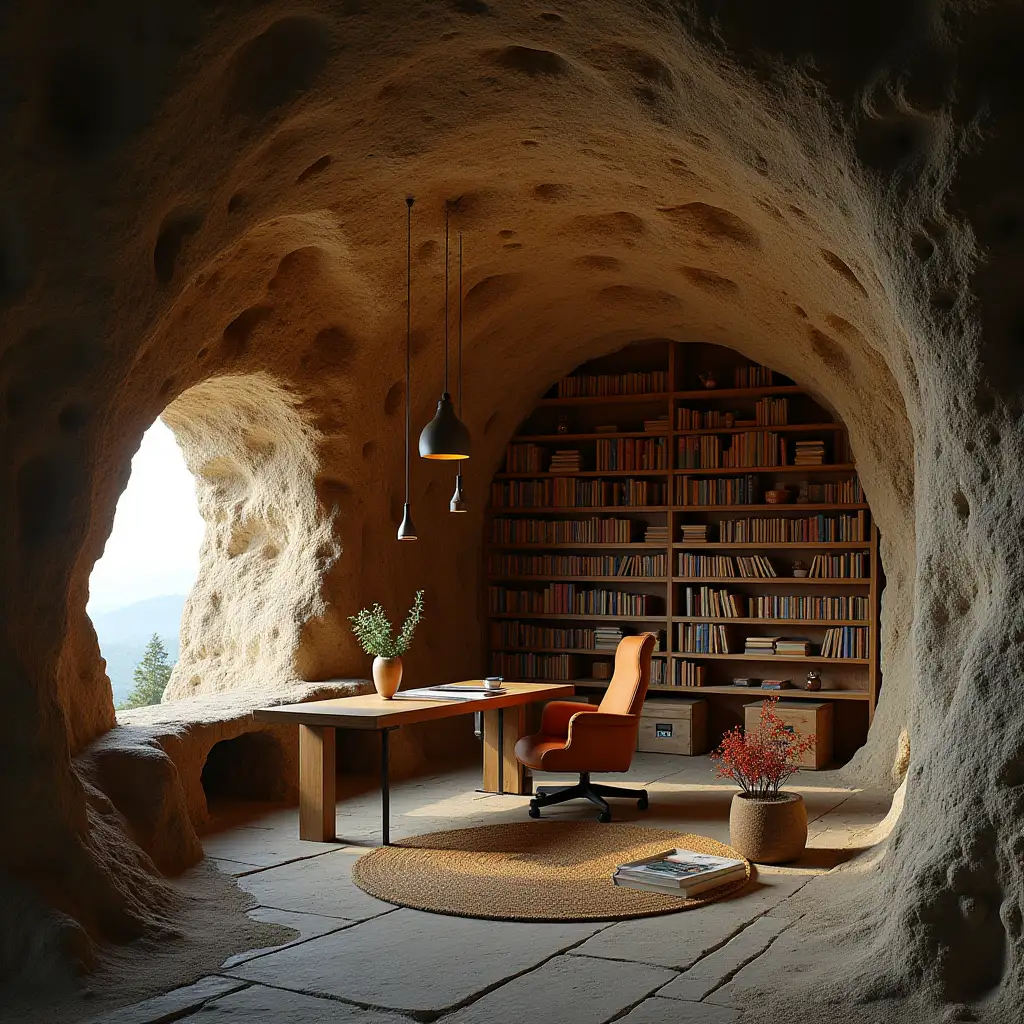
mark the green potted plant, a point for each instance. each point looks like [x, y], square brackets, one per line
[374, 633]
[766, 824]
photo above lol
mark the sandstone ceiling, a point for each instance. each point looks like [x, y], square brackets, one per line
[203, 215]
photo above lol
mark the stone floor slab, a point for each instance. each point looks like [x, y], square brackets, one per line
[322, 885]
[413, 961]
[663, 1011]
[171, 1005]
[274, 1006]
[309, 926]
[679, 940]
[261, 847]
[567, 989]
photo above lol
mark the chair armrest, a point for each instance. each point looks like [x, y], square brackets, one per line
[601, 721]
[557, 715]
[602, 742]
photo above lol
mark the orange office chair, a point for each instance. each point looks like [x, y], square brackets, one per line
[586, 738]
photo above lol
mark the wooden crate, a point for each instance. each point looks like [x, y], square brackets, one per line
[673, 726]
[806, 718]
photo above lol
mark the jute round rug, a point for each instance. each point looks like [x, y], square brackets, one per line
[531, 871]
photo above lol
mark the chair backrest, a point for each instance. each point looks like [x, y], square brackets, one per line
[628, 686]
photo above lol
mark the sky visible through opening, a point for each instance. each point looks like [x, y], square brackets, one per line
[153, 549]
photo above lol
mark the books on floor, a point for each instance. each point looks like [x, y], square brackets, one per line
[679, 872]
[565, 461]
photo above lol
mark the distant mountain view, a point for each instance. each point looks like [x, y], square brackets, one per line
[124, 632]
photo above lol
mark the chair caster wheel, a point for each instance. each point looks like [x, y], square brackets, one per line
[534, 810]
[605, 817]
[641, 804]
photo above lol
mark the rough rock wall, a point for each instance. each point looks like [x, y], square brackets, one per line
[195, 192]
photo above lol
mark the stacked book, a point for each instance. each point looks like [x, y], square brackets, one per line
[775, 684]
[809, 453]
[656, 535]
[792, 647]
[565, 461]
[659, 425]
[606, 638]
[695, 533]
[679, 873]
[760, 645]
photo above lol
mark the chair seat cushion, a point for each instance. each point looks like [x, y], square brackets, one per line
[539, 751]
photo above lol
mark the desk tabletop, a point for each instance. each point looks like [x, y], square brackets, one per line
[370, 711]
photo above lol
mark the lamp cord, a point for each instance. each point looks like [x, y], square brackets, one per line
[460, 325]
[447, 207]
[408, 339]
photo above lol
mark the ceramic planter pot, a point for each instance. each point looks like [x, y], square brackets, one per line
[768, 831]
[387, 676]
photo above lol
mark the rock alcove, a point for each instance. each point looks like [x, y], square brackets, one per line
[204, 213]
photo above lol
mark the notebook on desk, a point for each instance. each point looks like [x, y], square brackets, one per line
[448, 691]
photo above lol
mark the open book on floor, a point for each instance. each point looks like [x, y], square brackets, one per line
[679, 872]
[448, 692]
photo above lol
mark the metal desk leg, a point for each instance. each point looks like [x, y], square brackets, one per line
[385, 789]
[501, 750]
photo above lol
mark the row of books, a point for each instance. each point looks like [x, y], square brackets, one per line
[845, 642]
[746, 566]
[824, 529]
[601, 384]
[755, 376]
[751, 448]
[702, 638]
[633, 453]
[687, 673]
[553, 667]
[715, 602]
[569, 531]
[702, 419]
[849, 565]
[790, 606]
[576, 493]
[772, 412]
[578, 565]
[731, 490]
[846, 492]
[569, 599]
[604, 669]
[512, 633]
[526, 458]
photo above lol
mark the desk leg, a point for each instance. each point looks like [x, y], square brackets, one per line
[316, 783]
[502, 773]
[385, 787]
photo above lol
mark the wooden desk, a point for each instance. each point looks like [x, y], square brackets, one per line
[318, 719]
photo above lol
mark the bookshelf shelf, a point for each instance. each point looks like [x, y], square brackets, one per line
[673, 416]
[802, 581]
[835, 467]
[771, 622]
[805, 659]
[834, 545]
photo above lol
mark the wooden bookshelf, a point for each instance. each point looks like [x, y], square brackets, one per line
[617, 427]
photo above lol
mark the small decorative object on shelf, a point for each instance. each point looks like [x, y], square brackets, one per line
[777, 496]
[373, 632]
[746, 681]
[708, 380]
[562, 427]
[766, 824]
[799, 569]
[813, 681]
[730, 419]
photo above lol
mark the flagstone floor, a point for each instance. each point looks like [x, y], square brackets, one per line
[361, 960]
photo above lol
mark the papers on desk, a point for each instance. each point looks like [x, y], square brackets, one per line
[445, 693]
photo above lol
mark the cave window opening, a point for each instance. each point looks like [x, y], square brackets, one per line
[137, 589]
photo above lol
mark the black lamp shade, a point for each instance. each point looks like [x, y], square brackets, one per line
[445, 436]
[407, 531]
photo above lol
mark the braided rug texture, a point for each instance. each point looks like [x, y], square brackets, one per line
[531, 871]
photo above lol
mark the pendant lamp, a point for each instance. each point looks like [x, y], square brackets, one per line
[457, 504]
[445, 436]
[407, 531]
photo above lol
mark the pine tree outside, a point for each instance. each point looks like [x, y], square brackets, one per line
[150, 676]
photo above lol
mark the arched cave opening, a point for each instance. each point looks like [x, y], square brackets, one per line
[249, 767]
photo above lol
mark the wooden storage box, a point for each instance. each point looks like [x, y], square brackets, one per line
[673, 726]
[805, 718]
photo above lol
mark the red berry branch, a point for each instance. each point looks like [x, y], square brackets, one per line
[759, 762]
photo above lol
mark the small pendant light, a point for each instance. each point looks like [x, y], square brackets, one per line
[457, 504]
[407, 531]
[445, 436]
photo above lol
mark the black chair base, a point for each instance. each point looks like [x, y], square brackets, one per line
[546, 796]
